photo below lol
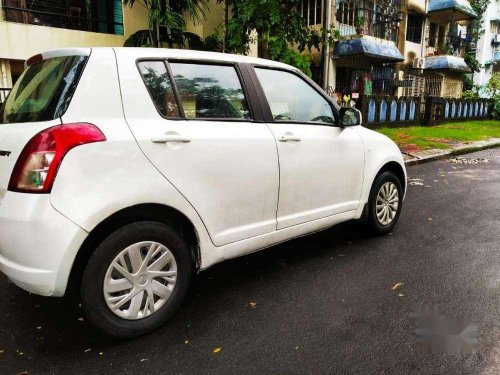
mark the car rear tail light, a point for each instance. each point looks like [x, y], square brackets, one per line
[36, 167]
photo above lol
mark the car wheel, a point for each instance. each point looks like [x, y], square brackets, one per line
[384, 205]
[136, 279]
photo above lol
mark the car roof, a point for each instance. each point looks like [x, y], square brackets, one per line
[136, 53]
[144, 53]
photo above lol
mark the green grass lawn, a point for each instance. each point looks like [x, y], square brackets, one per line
[442, 136]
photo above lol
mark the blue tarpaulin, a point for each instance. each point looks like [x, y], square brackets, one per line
[453, 63]
[462, 6]
[368, 47]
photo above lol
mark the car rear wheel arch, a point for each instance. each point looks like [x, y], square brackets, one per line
[142, 212]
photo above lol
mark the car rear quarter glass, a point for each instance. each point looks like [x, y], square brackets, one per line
[44, 90]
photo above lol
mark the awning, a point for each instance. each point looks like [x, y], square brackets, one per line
[453, 63]
[458, 6]
[495, 19]
[367, 47]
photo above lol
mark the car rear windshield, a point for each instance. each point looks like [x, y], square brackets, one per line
[43, 91]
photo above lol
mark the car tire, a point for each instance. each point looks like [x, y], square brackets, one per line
[112, 266]
[384, 203]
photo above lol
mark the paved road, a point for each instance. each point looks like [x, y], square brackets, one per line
[323, 303]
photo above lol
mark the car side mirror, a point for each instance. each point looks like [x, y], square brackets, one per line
[349, 117]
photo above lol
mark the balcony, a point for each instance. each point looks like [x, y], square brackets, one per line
[381, 20]
[86, 15]
[452, 45]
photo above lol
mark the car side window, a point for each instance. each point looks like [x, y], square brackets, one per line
[155, 76]
[210, 91]
[293, 99]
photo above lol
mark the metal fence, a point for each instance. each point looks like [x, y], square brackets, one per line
[438, 110]
[390, 110]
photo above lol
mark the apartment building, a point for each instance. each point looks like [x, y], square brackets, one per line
[488, 47]
[438, 36]
[28, 27]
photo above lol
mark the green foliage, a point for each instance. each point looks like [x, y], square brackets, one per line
[359, 22]
[166, 23]
[493, 87]
[479, 6]
[298, 60]
[494, 83]
[495, 112]
[280, 27]
[470, 94]
[472, 63]
[468, 84]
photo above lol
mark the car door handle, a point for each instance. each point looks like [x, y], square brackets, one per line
[289, 138]
[170, 138]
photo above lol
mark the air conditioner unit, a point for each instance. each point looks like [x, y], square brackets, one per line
[496, 39]
[418, 63]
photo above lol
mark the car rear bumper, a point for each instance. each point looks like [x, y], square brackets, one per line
[38, 245]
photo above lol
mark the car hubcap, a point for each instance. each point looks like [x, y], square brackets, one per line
[387, 203]
[140, 280]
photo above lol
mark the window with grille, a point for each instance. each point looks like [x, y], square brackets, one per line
[311, 11]
[414, 28]
[101, 16]
[345, 13]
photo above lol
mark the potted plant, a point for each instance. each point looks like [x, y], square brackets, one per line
[359, 24]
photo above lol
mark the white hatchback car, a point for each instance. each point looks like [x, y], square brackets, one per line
[125, 171]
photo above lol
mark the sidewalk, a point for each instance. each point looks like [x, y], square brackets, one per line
[424, 156]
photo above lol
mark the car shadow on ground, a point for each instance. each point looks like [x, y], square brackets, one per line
[41, 326]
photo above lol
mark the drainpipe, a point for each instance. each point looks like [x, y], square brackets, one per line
[327, 20]
[422, 45]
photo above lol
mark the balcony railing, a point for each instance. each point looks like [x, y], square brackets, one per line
[3, 94]
[383, 23]
[104, 16]
[452, 45]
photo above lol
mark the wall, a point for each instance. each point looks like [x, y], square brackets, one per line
[484, 51]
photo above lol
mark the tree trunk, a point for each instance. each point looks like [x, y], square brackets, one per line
[156, 35]
[262, 45]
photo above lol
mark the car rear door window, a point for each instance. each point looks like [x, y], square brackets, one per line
[210, 91]
[292, 99]
[44, 90]
[155, 76]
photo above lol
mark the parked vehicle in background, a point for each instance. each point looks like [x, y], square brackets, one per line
[123, 172]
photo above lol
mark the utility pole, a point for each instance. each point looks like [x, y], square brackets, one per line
[325, 55]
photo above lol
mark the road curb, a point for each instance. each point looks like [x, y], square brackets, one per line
[456, 152]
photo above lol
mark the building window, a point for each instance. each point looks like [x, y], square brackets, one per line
[101, 16]
[414, 28]
[494, 27]
[311, 12]
[345, 13]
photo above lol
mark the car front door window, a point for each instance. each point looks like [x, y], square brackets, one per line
[290, 98]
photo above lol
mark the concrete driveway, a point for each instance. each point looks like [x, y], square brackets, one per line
[334, 302]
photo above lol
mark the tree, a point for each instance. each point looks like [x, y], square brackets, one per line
[166, 24]
[493, 85]
[479, 6]
[279, 26]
